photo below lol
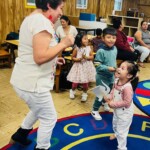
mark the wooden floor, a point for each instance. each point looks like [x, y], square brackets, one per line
[13, 110]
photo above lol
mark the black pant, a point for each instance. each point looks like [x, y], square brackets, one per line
[126, 55]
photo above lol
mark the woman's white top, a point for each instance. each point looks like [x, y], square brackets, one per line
[27, 75]
[61, 34]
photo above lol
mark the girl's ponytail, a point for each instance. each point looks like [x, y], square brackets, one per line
[133, 69]
[134, 83]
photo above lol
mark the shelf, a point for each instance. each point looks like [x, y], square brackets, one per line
[143, 5]
[132, 31]
[126, 30]
[110, 19]
[131, 24]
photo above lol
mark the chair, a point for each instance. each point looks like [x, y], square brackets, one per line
[5, 58]
[119, 61]
[57, 77]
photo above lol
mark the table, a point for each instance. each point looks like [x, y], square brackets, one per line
[68, 49]
[85, 29]
[12, 47]
[90, 36]
[70, 57]
[13, 42]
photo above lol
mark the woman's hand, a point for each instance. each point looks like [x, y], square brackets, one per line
[67, 41]
[132, 49]
[148, 46]
[60, 61]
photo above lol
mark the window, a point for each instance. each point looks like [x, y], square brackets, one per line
[30, 3]
[81, 4]
[118, 5]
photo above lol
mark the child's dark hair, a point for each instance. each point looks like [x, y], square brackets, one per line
[133, 69]
[110, 31]
[99, 31]
[78, 39]
[66, 19]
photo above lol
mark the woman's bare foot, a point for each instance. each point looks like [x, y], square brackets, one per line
[112, 137]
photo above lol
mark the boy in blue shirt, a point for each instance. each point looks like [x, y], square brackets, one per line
[105, 60]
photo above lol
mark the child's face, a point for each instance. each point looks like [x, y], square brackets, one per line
[122, 71]
[85, 40]
[109, 40]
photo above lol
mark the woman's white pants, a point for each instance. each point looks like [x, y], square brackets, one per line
[41, 108]
[144, 52]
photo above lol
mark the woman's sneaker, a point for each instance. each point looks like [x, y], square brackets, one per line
[96, 115]
[72, 94]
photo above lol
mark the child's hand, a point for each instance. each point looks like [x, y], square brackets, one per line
[107, 99]
[111, 69]
[80, 59]
[84, 56]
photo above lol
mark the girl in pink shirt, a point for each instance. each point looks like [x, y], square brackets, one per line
[120, 99]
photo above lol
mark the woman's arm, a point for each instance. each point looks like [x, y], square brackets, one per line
[42, 52]
[138, 36]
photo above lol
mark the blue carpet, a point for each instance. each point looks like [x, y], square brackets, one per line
[142, 97]
[83, 132]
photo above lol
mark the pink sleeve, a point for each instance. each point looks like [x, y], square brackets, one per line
[127, 95]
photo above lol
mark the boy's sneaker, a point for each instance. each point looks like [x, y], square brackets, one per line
[106, 107]
[84, 97]
[96, 115]
[72, 94]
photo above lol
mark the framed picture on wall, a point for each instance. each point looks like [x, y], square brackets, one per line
[118, 5]
[30, 3]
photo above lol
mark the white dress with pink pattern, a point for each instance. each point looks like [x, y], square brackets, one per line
[84, 71]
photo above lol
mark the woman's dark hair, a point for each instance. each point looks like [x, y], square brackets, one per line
[42, 4]
[78, 39]
[116, 23]
[142, 22]
[98, 31]
[66, 19]
[110, 31]
[133, 69]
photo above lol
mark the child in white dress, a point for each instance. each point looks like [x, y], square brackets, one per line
[83, 70]
[120, 99]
